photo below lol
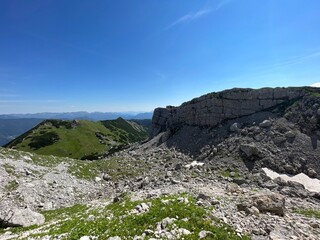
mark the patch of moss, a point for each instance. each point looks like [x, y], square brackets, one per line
[227, 173]
[9, 169]
[11, 186]
[308, 212]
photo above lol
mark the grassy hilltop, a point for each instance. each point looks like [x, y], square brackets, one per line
[79, 139]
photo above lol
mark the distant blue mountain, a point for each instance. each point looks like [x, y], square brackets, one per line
[95, 116]
[11, 128]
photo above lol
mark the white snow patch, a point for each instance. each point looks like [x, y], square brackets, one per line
[311, 184]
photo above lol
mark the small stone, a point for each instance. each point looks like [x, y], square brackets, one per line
[314, 225]
[235, 127]
[184, 231]
[265, 124]
[203, 196]
[178, 166]
[166, 222]
[253, 211]
[165, 201]
[279, 140]
[114, 238]
[174, 181]
[91, 218]
[85, 238]
[204, 234]
[290, 134]
[169, 174]
[97, 179]
[138, 238]
[106, 177]
[148, 232]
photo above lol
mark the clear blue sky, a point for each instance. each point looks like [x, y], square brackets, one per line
[99, 55]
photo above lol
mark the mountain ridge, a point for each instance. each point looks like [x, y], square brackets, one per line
[79, 138]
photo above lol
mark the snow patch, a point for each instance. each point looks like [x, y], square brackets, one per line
[311, 184]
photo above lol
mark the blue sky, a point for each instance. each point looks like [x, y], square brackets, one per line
[99, 55]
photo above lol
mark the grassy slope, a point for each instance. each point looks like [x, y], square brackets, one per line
[115, 220]
[67, 139]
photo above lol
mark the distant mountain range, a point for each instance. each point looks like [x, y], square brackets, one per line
[94, 116]
[13, 125]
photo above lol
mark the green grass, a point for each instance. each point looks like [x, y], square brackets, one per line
[83, 140]
[116, 220]
[11, 186]
[227, 173]
[308, 212]
[9, 169]
[116, 167]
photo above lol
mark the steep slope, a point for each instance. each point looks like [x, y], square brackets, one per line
[278, 128]
[12, 128]
[79, 139]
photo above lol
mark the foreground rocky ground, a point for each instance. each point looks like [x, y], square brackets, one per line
[171, 196]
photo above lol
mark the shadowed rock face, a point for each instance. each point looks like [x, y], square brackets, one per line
[214, 108]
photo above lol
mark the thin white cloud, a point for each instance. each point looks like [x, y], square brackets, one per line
[297, 59]
[189, 17]
[222, 3]
[317, 84]
[196, 15]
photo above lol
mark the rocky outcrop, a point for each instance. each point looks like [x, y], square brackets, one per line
[214, 108]
[20, 218]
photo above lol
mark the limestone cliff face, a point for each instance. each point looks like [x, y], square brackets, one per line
[213, 108]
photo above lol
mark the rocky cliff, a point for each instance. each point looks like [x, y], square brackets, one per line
[277, 128]
[214, 108]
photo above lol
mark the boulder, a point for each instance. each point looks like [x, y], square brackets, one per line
[264, 202]
[280, 181]
[250, 150]
[20, 218]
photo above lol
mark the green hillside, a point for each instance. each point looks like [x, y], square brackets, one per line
[79, 139]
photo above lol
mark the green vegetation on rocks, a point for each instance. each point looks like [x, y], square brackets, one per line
[121, 219]
[308, 212]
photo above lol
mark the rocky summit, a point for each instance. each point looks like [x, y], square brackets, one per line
[237, 164]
